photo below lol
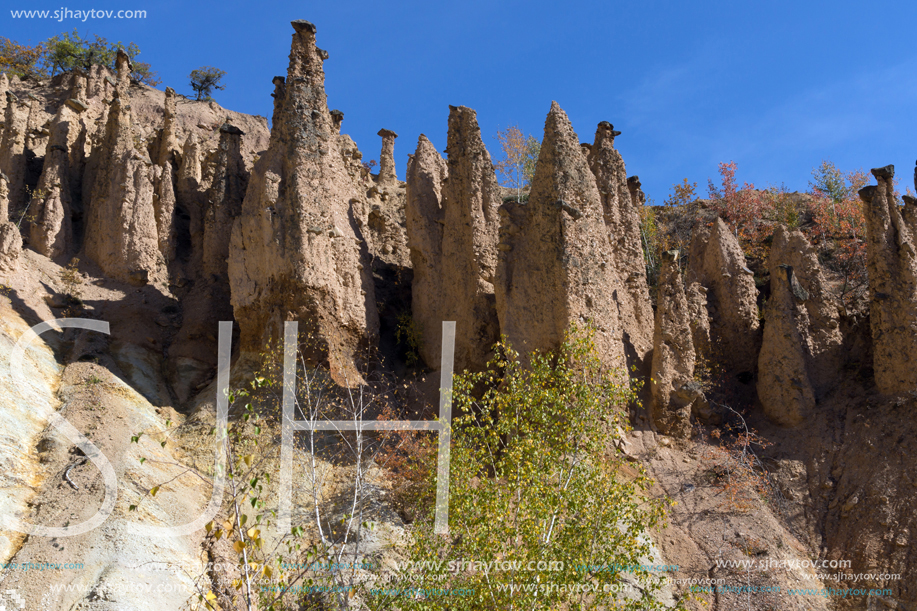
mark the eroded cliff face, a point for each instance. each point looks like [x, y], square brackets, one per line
[155, 182]
[892, 270]
[51, 231]
[72, 155]
[10, 239]
[556, 263]
[13, 151]
[425, 223]
[452, 233]
[622, 218]
[716, 262]
[295, 253]
[121, 234]
[672, 381]
[800, 354]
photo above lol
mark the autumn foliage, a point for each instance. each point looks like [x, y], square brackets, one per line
[21, 60]
[520, 152]
[838, 227]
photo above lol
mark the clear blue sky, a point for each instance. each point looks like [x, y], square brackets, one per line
[775, 86]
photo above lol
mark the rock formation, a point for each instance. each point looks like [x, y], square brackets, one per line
[783, 383]
[50, 233]
[169, 146]
[801, 325]
[672, 384]
[700, 320]
[121, 229]
[10, 240]
[280, 86]
[424, 220]
[387, 156]
[167, 163]
[190, 196]
[13, 150]
[892, 271]
[453, 242]
[637, 197]
[622, 217]
[717, 263]
[294, 252]
[37, 125]
[224, 200]
[556, 264]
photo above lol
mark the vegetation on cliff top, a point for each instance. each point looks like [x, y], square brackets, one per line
[69, 51]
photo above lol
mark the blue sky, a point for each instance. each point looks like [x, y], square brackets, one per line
[775, 86]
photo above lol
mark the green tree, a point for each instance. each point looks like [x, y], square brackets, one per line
[69, 51]
[204, 80]
[536, 483]
[830, 182]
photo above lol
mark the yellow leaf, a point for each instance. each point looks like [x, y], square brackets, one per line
[211, 596]
[238, 546]
[209, 526]
[253, 533]
[154, 491]
[248, 460]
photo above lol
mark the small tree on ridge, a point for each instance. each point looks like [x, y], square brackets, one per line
[204, 80]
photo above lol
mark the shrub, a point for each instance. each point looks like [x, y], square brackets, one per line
[734, 467]
[535, 478]
[204, 80]
[839, 227]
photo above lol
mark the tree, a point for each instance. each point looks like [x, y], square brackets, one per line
[69, 51]
[682, 194]
[204, 80]
[21, 60]
[539, 494]
[519, 156]
[839, 228]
